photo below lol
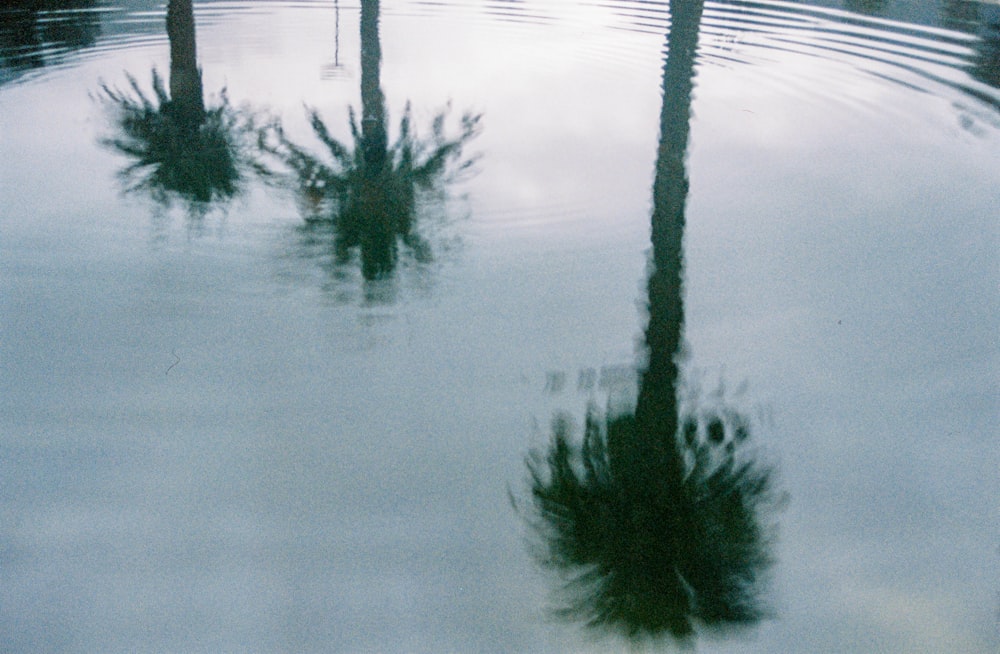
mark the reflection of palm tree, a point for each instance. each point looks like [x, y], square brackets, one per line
[177, 144]
[369, 191]
[656, 528]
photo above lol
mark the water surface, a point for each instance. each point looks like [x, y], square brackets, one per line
[218, 436]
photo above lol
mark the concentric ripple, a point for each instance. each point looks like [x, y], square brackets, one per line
[957, 49]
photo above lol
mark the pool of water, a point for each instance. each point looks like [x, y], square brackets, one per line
[226, 425]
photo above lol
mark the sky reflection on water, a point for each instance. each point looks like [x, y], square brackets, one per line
[206, 444]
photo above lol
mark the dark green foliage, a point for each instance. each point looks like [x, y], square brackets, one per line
[651, 548]
[658, 525]
[199, 156]
[372, 199]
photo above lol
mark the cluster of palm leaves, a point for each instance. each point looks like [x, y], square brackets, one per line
[367, 191]
[658, 522]
[651, 539]
[200, 154]
[410, 163]
[370, 192]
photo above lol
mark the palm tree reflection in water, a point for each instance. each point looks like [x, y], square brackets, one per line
[177, 145]
[656, 524]
[369, 192]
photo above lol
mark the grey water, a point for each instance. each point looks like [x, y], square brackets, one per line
[235, 417]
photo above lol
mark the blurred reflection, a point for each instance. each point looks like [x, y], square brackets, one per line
[335, 69]
[987, 68]
[658, 521]
[34, 33]
[870, 7]
[983, 20]
[178, 146]
[369, 190]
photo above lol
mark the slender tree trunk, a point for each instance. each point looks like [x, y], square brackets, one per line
[186, 95]
[378, 239]
[654, 448]
[373, 128]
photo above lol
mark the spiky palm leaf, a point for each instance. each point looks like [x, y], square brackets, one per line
[651, 558]
[202, 160]
[374, 206]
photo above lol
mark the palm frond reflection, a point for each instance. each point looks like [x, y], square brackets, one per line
[658, 520]
[651, 546]
[177, 145]
[368, 189]
[372, 201]
[201, 159]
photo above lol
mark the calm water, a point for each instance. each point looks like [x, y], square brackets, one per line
[220, 434]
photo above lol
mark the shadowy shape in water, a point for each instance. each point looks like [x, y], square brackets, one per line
[37, 33]
[987, 66]
[656, 525]
[869, 7]
[373, 204]
[202, 161]
[651, 544]
[369, 189]
[177, 145]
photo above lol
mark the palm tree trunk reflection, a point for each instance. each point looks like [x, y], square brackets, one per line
[185, 78]
[375, 140]
[369, 191]
[377, 238]
[655, 531]
[176, 145]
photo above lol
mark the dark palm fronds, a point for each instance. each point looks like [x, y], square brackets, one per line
[201, 158]
[427, 162]
[645, 551]
[374, 202]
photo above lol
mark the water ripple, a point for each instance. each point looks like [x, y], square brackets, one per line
[843, 48]
[791, 47]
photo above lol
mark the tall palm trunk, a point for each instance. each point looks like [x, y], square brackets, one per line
[658, 534]
[652, 451]
[186, 96]
[378, 239]
[373, 128]
[645, 456]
